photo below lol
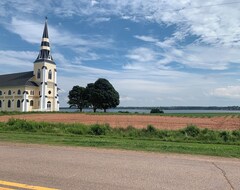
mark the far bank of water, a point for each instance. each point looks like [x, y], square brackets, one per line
[147, 110]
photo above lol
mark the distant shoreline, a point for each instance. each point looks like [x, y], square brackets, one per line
[227, 108]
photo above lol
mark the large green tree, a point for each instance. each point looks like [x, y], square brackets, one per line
[102, 95]
[77, 97]
[91, 96]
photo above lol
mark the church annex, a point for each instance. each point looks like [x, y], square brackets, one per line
[32, 90]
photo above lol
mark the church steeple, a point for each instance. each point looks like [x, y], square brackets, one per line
[44, 53]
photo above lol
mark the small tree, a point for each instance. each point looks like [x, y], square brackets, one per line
[77, 98]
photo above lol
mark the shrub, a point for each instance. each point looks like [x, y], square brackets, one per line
[156, 110]
[225, 135]
[99, 129]
[163, 134]
[236, 134]
[191, 131]
[123, 112]
[151, 129]
[132, 132]
[208, 135]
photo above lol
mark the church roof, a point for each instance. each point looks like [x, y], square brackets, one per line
[44, 53]
[17, 79]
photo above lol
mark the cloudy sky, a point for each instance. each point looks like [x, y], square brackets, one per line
[154, 52]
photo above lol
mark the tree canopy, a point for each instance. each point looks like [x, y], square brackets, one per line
[100, 95]
[104, 95]
[77, 98]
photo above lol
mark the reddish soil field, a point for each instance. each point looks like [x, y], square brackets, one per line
[138, 121]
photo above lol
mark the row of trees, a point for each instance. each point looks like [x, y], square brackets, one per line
[98, 95]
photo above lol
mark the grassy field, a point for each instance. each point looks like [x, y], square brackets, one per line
[191, 139]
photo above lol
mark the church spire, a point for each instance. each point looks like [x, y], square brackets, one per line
[44, 53]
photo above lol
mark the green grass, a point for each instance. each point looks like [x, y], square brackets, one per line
[124, 143]
[190, 140]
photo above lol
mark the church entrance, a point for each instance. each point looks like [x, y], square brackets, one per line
[49, 106]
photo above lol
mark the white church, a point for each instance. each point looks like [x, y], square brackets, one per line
[35, 90]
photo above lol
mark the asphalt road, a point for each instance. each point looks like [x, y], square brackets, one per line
[89, 168]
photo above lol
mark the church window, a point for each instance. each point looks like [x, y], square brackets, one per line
[31, 103]
[32, 92]
[9, 92]
[0, 103]
[0, 93]
[50, 74]
[9, 103]
[18, 104]
[19, 92]
[49, 92]
[38, 74]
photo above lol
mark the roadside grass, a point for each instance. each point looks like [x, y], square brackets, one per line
[190, 140]
[125, 143]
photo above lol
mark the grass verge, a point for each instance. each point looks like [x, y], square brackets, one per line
[190, 140]
[127, 144]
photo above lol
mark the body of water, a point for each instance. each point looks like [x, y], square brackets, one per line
[146, 110]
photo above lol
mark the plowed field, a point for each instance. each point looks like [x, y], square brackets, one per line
[138, 121]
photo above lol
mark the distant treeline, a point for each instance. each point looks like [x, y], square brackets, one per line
[181, 108]
[186, 108]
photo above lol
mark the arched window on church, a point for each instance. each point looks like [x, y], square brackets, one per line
[18, 104]
[19, 92]
[39, 74]
[0, 103]
[0, 93]
[9, 92]
[31, 103]
[50, 74]
[9, 103]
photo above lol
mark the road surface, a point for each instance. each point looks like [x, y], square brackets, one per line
[89, 168]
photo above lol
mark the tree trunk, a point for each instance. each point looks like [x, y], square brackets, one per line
[105, 110]
[80, 109]
[94, 110]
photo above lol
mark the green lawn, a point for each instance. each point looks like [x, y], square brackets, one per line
[190, 140]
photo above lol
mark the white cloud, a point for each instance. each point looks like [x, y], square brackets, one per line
[227, 92]
[16, 61]
[146, 38]
[142, 55]
[32, 34]
[93, 2]
[192, 55]
[213, 24]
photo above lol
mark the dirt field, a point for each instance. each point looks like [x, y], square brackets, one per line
[138, 121]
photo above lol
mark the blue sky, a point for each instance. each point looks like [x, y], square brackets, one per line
[155, 52]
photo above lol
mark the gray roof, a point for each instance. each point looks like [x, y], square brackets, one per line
[17, 79]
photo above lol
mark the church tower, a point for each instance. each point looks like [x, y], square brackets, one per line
[45, 73]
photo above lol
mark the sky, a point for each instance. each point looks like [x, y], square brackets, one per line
[154, 52]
